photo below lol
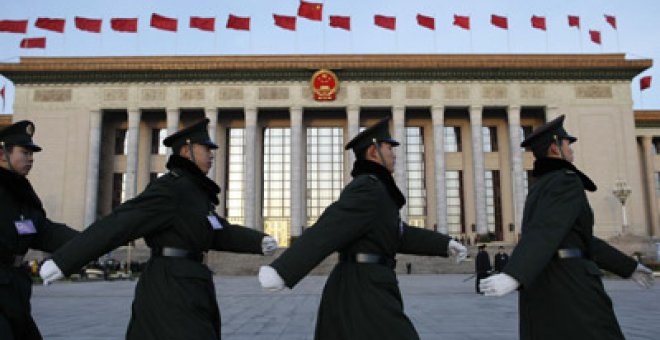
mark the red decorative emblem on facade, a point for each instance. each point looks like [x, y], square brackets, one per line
[325, 85]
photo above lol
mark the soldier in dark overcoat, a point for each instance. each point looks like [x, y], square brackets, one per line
[500, 260]
[23, 225]
[556, 264]
[482, 266]
[361, 298]
[175, 296]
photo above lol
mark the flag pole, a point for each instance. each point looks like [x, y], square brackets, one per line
[580, 39]
[435, 35]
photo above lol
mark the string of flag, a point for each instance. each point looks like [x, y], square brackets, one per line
[308, 10]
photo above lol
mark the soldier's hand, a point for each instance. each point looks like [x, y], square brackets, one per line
[643, 276]
[269, 279]
[268, 245]
[458, 250]
[50, 272]
[498, 285]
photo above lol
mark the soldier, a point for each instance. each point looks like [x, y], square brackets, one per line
[501, 259]
[23, 225]
[482, 266]
[361, 299]
[175, 296]
[556, 264]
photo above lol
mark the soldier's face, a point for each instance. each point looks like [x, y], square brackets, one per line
[390, 156]
[203, 157]
[21, 160]
[567, 150]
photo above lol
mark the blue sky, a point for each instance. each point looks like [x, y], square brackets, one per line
[637, 33]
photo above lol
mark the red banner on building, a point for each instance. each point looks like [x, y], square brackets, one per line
[55, 25]
[163, 23]
[13, 26]
[89, 25]
[127, 25]
[385, 22]
[33, 43]
[339, 21]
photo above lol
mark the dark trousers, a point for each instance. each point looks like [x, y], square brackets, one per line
[480, 275]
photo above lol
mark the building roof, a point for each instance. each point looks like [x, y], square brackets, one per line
[347, 67]
[647, 118]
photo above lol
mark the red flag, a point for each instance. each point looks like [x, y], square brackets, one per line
[385, 22]
[462, 21]
[124, 25]
[89, 25]
[204, 24]
[55, 25]
[339, 21]
[310, 10]
[13, 26]
[286, 22]
[644, 82]
[595, 36]
[163, 23]
[424, 21]
[499, 21]
[611, 20]
[573, 21]
[33, 43]
[240, 23]
[538, 22]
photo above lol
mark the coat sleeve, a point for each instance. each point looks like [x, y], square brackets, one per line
[237, 239]
[52, 235]
[555, 213]
[419, 241]
[611, 259]
[150, 211]
[341, 223]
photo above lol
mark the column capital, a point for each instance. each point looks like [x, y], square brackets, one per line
[513, 107]
[296, 109]
[435, 108]
[398, 108]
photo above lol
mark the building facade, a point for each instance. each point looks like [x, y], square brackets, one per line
[281, 161]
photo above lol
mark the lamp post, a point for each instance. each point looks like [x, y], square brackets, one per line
[622, 191]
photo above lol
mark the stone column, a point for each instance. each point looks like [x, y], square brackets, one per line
[211, 114]
[400, 167]
[353, 117]
[649, 180]
[93, 156]
[298, 176]
[478, 170]
[172, 123]
[438, 119]
[251, 204]
[133, 135]
[518, 180]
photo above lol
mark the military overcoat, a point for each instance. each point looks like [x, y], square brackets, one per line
[361, 300]
[563, 298]
[20, 208]
[175, 297]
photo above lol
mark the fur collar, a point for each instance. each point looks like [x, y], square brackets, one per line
[361, 167]
[543, 166]
[19, 187]
[180, 164]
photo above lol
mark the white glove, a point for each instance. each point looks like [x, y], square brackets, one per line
[50, 272]
[268, 245]
[498, 285]
[643, 276]
[270, 280]
[456, 249]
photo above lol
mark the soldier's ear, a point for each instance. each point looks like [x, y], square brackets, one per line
[553, 150]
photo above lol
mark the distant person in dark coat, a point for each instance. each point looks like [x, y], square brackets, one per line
[361, 299]
[501, 259]
[556, 264]
[482, 266]
[175, 296]
[23, 225]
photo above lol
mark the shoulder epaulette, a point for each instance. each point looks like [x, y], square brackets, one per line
[373, 178]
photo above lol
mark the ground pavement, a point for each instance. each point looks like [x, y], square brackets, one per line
[442, 307]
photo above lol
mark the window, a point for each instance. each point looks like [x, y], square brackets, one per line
[157, 137]
[493, 204]
[527, 180]
[489, 134]
[454, 186]
[525, 131]
[118, 189]
[235, 199]
[325, 169]
[276, 188]
[452, 139]
[656, 145]
[120, 142]
[416, 176]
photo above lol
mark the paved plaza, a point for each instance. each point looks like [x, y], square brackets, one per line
[441, 307]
